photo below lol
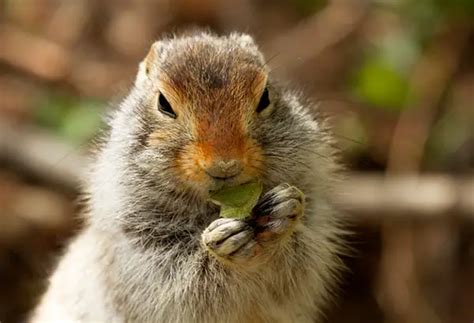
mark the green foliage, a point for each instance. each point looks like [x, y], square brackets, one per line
[308, 7]
[456, 8]
[423, 17]
[380, 84]
[75, 119]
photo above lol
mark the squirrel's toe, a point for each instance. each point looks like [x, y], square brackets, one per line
[226, 236]
[278, 212]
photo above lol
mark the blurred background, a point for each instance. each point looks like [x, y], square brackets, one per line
[395, 76]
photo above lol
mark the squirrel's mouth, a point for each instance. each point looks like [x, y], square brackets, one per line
[222, 178]
[219, 183]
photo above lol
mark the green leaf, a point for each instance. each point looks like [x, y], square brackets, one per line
[237, 201]
[83, 121]
[380, 84]
[308, 7]
[51, 111]
[74, 119]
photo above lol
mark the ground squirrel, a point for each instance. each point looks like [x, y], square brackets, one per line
[204, 113]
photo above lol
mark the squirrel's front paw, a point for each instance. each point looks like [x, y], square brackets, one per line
[253, 241]
[278, 212]
[230, 239]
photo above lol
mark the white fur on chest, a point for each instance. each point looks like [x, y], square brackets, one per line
[76, 291]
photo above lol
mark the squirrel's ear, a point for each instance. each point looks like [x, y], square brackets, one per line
[148, 67]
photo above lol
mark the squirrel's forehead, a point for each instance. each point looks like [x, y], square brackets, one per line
[212, 48]
[213, 76]
[199, 68]
[211, 56]
[189, 76]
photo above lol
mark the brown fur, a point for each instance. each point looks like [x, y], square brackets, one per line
[155, 249]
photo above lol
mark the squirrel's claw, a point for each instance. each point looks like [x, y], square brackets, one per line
[229, 239]
[278, 212]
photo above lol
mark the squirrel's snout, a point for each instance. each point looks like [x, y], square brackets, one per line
[224, 169]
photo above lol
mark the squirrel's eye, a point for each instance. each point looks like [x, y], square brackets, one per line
[165, 107]
[264, 101]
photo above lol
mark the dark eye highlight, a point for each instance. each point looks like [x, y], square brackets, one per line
[264, 101]
[165, 107]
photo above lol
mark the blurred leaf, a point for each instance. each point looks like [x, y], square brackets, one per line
[82, 121]
[75, 119]
[380, 84]
[456, 7]
[308, 7]
[52, 110]
[421, 17]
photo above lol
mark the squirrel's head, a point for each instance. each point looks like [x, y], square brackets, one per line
[210, 116]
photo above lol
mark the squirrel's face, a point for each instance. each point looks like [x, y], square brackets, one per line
[208, 103]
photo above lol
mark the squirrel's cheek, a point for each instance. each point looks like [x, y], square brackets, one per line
[157, 137]
[188, 169]
[254, 160]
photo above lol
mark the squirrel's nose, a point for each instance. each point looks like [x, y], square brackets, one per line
[224, 169]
